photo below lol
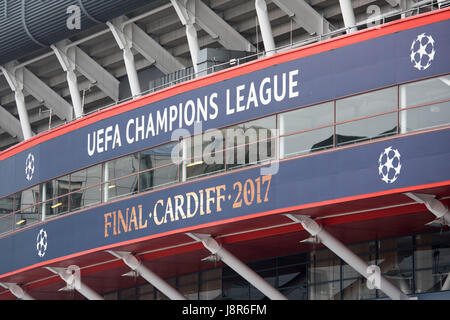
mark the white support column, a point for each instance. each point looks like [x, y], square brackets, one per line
[186, 14]
[124, 38]
[67, 57]
[10, 124]
[435, 206]
[131, 261]
[72, 282]
[348, 15]
[16, 290]
[241, 268]
[347, 255]
[14, 77]
[264, 25]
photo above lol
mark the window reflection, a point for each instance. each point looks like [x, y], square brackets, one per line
[84, 185]
[202, 154]
[366, 129]
[157, 166]
[114, 169]
[6, 223]
[425, 117]
[426, 91]
[366, 104]
[26, 201]
[52, 202]
[251, 142]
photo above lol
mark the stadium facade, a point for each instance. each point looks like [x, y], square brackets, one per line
[317, 171]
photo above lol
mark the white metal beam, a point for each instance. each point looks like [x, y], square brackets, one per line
[237, 265]
[66, 57]
[186, 13]
[218, 28]
[72, 282]
[192, 12]
[21, 78]
[88, 67]
[348, 15]
[152, 50]
[16, 290]
[346, 254]
[15, 80]
[129, 35]
[131, 261]
[10, 124]
[123, 35]
[305, 15]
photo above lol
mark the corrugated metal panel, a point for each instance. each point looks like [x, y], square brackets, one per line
[27, 25]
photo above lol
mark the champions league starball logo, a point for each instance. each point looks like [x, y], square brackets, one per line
[422, 51]
[389, 165]
[29, 166]
[41, 243]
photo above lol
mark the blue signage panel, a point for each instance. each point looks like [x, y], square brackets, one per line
[363, 66]
[365, 169]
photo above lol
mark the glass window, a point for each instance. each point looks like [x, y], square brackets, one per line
[159, 156]
[85, 188]
[366, 129]
[305, 119]
[187, 285]
[6, 218]
[158, 166]
[54, 188]
[53, 203]
[236, 288]
[128, 294]
[55, 207]
[325, 291]
[325, 266]
[251, 142]
[6, 205]
[26, 201]
[121, 167]
[203, 154]
[211, 284]
[425, 117]
[6, 223]
[432, 261]
[356, 289]
[85, 178]
[426, 91]
[292, 281]
[306, 142]
[366, 104]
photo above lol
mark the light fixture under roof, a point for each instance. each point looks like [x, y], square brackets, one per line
[311, 240]
[56, 205]
[195, 163]
[21, 221]
[212, 258]
[131, 274]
